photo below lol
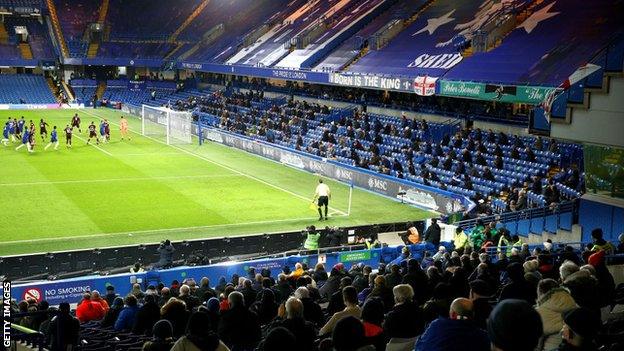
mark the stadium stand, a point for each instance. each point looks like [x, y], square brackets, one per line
[25, 89]
[408, 295]
[479, 165]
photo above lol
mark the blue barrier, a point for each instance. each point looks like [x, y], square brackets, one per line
[71, 290]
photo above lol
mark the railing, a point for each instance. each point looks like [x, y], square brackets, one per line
[32, 338]
[568, 207]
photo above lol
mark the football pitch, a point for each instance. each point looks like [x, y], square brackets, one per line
[143, 191]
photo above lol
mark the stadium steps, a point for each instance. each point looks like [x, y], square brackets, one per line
[53, 88]
[57, 28]
[68, 91]
[101, 88]
[4, 35]
[93, 50]
[188, 21]
[172, 52]
[103, 11]
[25, 51]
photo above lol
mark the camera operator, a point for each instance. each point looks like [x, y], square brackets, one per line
[165, 249]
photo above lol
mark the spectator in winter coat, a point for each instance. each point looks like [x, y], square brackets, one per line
[88, 310]
[552, 303]
[432, 234]
[199, 336]
[372, 318]
[580, 327]
[110, 295]
[113, 312]
[509, 320]
[311, 310]
[480, 293]
[126, 318]
[518, 287]
[446, 333]
[176, 313]
[291, 318]
[405, 320]
[146, 316]
[162, 337]
[96, 297]
[239, 327]
[64, 329]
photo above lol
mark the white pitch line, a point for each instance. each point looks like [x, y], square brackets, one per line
[120, 179]
[224, 166]
[144, 232]
[94, 145]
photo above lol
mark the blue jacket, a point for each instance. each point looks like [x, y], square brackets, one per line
[443, 334]
[125, 321]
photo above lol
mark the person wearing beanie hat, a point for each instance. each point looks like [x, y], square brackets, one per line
[213, 310]
[278, 339]
[480, 293]
[162, 339]
[518, 287]
[514, 326]
[597, 258]
[580, 327]
[599, 243]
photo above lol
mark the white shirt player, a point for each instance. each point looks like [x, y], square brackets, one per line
[322, 190]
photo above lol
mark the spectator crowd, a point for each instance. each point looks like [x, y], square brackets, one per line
[553, 298]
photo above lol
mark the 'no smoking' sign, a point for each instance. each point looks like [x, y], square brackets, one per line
[32, 293]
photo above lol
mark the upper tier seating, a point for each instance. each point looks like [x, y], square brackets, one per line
[150, 19]
[25, 88]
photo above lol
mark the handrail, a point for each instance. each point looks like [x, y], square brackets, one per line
[564, 207]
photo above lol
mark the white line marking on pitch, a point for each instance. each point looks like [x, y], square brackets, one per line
[94, 145]
[120, 179]
[143, 232]
[222, 166]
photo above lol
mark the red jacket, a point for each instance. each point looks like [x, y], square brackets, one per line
[89, 311]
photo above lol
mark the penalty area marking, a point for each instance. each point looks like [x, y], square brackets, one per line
[223, 166]
[154, 231]
[94, 145]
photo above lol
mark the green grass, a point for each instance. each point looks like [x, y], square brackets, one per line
[142, 191]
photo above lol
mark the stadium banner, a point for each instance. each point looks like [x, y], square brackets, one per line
[261, 72]
[421, 85]
[491, 92]
[71, 290]
[411, 193]
[137, 85]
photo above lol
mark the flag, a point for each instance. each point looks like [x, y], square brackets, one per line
[313, 206]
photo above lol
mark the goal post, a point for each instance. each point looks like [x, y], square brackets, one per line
[160, 122]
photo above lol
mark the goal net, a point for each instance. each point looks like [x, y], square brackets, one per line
[172, 126]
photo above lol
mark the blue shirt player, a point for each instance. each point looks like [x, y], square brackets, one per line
[20, 127]
[25, 138]
[5, 134]
[103, 131]
[53, 139]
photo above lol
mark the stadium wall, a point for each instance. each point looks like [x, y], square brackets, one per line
[602, 123]
[598, 212]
